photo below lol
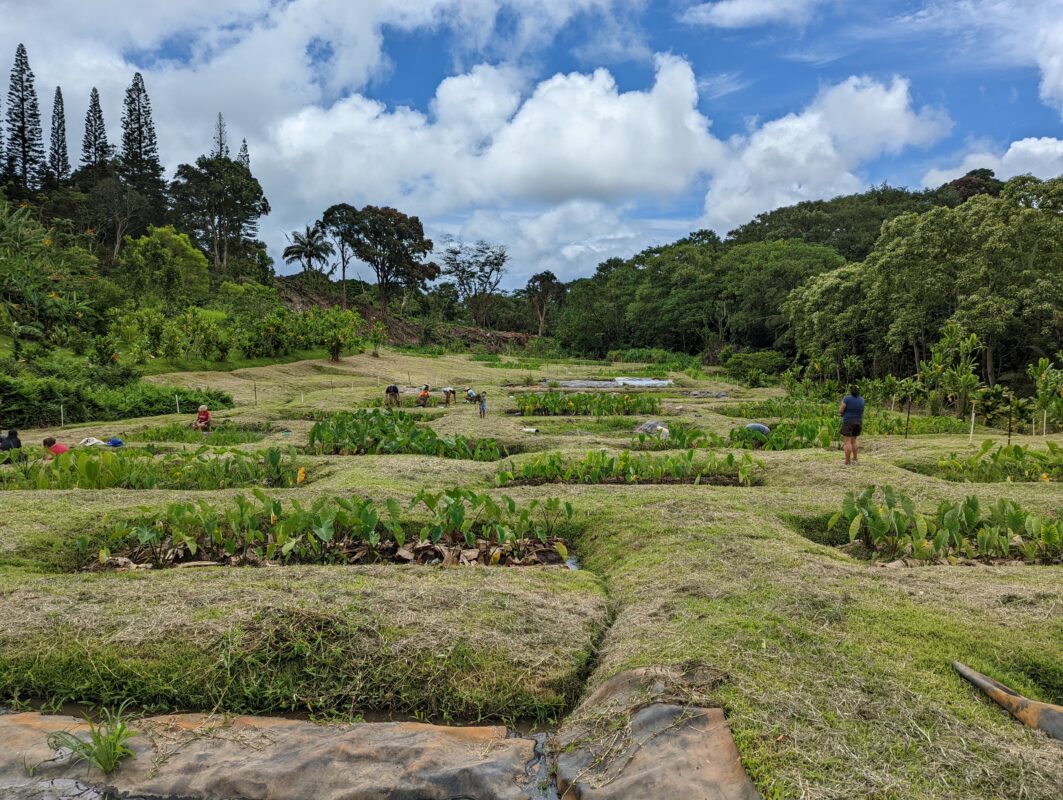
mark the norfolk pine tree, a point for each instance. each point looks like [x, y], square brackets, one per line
[95, 149]
[58, 157]
[25, 145]
[140, 165]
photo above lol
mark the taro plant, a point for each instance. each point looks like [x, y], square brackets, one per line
[893, 527]
[555, 404]
[1012, 462]
[379, 432]
[224, 434]
[632, 467]
[204, 468]
[335, 530]
[679, 437]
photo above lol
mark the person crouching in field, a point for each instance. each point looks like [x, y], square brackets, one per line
[391, 396]
[482, 400]
[852, 411]
[423, 396]
[202, 421]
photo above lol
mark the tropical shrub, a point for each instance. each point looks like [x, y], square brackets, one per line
[457, 526]
[894, 528]
[992, 464]
[557, 404]
[30, 402]
[223, 434]
[384, 431]
[104, 468]
[876, 422]
[629, 467]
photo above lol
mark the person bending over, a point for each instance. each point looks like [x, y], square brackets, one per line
[54, 448]
[391, 396]
[852, 411]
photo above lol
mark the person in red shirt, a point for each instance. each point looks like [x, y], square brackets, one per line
[202, 422]
[54, 447]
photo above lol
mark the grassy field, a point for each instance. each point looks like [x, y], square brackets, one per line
[834, 672]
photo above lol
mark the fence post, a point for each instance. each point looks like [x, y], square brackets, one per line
[62, 416]
[177, 400]
[970, 439]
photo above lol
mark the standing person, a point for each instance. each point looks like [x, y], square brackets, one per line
[391, 396]
[202, 422]
[482, 399]
[54, 447]
[852, 412]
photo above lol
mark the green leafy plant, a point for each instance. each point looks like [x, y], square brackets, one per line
[104, 468]
[893, 527]
[560, 404]
[339, 530]
[106, 746]
[631, 467]
[995, 463]
[377, 431]
[223, 434]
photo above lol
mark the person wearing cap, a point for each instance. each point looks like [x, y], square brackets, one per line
[470, 395]
[202, 422]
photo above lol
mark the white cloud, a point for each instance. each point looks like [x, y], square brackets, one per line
[1040, 157]
[995, 33]
[816, 153]
[713, 87]
[750, 13]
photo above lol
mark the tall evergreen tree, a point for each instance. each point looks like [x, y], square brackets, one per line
[139, 164]
[244, 157]
[95, 149]
[221, 139]
[58, 157]
[25, 142]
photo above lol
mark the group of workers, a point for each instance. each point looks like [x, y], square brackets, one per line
[11, 442]
[450, 395]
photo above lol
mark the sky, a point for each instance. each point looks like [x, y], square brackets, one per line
[570, 131]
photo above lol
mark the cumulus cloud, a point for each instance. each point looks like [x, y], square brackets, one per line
[1040, 157]
[816, 153]
[749, 13]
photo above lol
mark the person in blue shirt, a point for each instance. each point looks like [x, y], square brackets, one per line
[852, 411]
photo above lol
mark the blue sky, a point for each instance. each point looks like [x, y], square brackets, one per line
[571, 130]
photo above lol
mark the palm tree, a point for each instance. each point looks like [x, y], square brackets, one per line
[308, 248]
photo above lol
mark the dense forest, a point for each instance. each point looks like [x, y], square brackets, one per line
[106, 266]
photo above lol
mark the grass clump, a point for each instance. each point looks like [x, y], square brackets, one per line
[630, 467]
[463, 526]
[106, 746]
[557, 404]
[223, 434]
[383, 431]
[680, 437]
[205, 468]
[894, 528]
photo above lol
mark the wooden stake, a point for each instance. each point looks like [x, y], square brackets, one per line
[970, 439]
[908, 419]
[177, 400]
